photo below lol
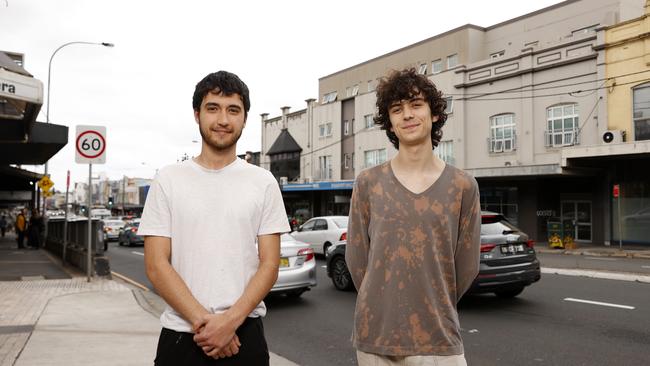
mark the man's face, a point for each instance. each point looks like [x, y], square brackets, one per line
[411, 120]
[221, 120]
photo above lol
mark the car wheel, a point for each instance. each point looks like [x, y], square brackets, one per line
[295, 293]
[340, 275]
[510, 293]
[325, 246]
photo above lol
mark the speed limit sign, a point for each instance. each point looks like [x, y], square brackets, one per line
[90, 145]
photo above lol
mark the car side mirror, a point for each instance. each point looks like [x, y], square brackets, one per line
[299, 228]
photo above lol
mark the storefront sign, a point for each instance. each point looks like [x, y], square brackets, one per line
[319, 186]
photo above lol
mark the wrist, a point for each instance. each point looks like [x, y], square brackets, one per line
[235, 316]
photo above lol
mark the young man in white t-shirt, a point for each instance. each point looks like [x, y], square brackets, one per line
[212, 229]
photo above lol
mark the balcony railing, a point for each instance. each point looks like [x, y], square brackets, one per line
[561, 138]
[499, 145]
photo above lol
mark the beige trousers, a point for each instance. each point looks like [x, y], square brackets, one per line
[370, 359]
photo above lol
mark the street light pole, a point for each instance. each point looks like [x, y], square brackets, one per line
[49, 75]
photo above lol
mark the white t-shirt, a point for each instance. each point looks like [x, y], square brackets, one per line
[213, 218]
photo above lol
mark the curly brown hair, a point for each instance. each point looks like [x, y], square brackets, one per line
[404, 85]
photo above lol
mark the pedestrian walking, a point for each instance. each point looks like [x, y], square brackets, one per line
[413, 235]
[3, 225]
[35, 230]
[212, 228]
[21, 228]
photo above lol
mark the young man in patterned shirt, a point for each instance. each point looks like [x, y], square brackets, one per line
[413, 237]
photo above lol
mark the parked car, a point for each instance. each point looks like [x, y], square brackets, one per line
[112, 229]
[321, 232]
[508, 262]
[129, 234]
[297, 272]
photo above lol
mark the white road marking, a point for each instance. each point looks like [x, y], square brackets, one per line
[600, 303]
[601, 259]
[632, 277]
[138, 253]
[645, 267]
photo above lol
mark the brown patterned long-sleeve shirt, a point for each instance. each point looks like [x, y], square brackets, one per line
[412, 257]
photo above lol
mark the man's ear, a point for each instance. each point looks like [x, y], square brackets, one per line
[196, 116]
[435, 118]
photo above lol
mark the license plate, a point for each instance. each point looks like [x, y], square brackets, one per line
[284, 262]
[512, 248]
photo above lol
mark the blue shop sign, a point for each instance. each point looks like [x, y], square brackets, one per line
[318, 186]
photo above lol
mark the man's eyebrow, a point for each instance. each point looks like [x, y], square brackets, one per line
[214, 104]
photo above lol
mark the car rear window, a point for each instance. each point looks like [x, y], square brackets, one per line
[495, 225]
[341, 223]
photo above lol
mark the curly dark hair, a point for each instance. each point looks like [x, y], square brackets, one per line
[404, 85]
[221, 82]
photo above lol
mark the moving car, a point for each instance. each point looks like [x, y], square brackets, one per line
[129, 234]
[297, 267]
[112, 229]
[321, 232]
[508, 262]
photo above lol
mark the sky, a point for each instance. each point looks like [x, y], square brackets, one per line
[141, 89]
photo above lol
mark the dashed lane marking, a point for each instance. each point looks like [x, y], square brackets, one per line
[138, 253]
[600, 303]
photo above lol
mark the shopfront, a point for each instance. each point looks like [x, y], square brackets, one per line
[303, 201]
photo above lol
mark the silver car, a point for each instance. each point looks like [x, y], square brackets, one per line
[112, 229]
[297, 267]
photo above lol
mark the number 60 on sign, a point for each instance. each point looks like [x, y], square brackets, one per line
[90, 145]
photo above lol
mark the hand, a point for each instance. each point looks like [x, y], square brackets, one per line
[230, 350]
[214, 331]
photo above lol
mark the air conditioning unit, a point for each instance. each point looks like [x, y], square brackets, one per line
[614, 137]
[284, 181]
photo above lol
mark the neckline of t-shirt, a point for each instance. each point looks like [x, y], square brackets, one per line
[213, 171]
[432, 186]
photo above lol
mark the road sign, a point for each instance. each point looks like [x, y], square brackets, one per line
[616, 190]
[45, 184]
[47, 193]
[90, 145]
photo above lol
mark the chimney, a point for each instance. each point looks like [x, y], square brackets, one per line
[285, 111]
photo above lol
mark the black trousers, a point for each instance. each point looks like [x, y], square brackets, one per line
[177, 348]
[20, 238]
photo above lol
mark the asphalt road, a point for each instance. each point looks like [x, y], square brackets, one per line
[551, 323]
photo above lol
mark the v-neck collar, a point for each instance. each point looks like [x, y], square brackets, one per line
[399, 183]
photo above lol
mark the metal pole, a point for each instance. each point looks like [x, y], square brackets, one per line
[620, 226]
[123, 195]
[90, 222]
[65, 220]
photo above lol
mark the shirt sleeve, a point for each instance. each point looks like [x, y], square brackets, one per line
[358, 245]
[156, 216]
[274, 216]
[469, 240]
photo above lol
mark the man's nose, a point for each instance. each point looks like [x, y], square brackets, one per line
[408, 112]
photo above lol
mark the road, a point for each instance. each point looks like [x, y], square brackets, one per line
[560, 320]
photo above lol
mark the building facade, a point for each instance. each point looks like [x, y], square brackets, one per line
[528, 109]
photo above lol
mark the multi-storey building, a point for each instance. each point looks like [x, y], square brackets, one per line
[527, 104]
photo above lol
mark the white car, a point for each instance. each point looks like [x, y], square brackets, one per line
[321, 232]
[297, 272]
[112, 229]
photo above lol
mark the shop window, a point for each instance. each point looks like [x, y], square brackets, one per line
[641, 113]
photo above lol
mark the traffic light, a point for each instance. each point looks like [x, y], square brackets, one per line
[110, 201]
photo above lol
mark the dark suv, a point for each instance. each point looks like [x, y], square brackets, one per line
[507, 262]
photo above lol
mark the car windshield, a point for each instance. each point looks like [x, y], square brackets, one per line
[342, 223]
[496, 225]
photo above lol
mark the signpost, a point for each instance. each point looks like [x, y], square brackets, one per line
[90, 146]
[65, 217]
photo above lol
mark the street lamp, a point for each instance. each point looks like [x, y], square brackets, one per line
[49, 74]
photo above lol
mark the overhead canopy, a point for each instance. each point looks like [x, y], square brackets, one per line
[44, 141]
[21, 96]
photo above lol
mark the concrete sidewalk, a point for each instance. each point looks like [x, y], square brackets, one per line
[52, 316]
[627, 251]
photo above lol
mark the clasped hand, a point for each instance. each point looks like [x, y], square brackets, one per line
[215, 334]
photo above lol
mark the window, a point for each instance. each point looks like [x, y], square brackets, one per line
[371, 85]
[497, 54]
[368, 121]
[423, 69]
[562, 125]
[308, 226]
[374, 157]
[452, 61]
[502, 133]
[329, 97]
[320, 225]
[355, 90]
[346, 127]
[445, 151]
[325, 130]
[436, 66]
[450, 105]
[325, 167]
[346, 161]
[641, 113]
